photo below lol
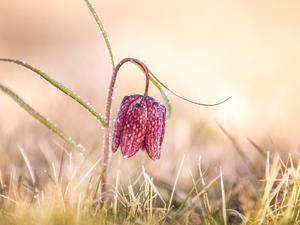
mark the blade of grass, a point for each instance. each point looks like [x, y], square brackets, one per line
[244, 157]
[197, 196]
[173, 191]
[28, 164]
[50, 177]
[259, 149]
[205, 197]
[48, 124]
[83, 178]
[189, 194]
[78, 207]
[61, 88]
[29, 188]
[97, 188]
[223, 197]
[3, 196]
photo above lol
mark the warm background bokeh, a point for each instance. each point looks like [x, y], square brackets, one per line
[204, 50]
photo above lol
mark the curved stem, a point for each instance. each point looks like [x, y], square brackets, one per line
[106, 140]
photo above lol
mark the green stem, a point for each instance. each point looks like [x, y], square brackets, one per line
[106, 135]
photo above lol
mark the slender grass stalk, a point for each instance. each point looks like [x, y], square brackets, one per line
[205, 197]
[244, 156]
[50, 177]
[79, 207]
[83, 178]
[173, 191]
[259, 149]
[189, 194]
[98, 183]
[3, 196]
[28, 164]
[223, 197]
[48, 124]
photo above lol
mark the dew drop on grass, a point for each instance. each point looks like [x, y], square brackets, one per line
[102, 127]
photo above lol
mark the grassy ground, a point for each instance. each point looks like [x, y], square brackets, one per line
[67, 192]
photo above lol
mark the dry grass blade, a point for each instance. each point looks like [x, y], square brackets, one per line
[3, 196]
[223, 197]
[147, 178]
[79, 207]
[266, 198]
[205, 197]
[176, 181]
[27, 163]
[85, 176]
[189, 194]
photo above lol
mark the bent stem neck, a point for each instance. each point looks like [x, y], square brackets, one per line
[140, 64]
[106, 135]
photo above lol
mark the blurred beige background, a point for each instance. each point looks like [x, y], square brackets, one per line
[204, 50]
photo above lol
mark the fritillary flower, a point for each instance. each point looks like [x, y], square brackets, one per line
[140, 124]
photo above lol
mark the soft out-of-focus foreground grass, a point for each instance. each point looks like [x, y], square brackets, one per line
[206, 51]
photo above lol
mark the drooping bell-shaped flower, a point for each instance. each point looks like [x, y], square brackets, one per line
[140, 124]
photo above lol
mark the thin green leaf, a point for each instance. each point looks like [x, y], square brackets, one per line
[50, 177]
[29, 188]
[259, 149]
[60, 87]
[244, 156]
[197, 103]
[48, 124]
[100, 25]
